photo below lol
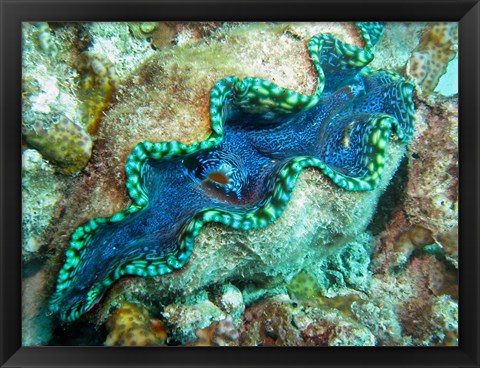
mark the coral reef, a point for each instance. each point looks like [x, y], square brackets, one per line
[415, 276]
[394, 284]
[131, 325]
[435, 166]
[380, 318]
[429, 314]
[423, 233]
[113, 44]
[429, 212]
[445, 322]
[50, 121]
[278, 321]
[68, 84]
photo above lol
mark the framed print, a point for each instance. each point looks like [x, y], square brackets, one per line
[274, 183]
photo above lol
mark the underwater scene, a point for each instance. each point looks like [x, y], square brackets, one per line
[240, 184]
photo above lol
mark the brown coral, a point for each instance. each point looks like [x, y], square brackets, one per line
[430, 279]
[318, 333]
[268, 323]
[432, 199]
[430, 205]
[278, 321]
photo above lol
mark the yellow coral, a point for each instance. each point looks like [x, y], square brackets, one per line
[131, 325]
[303, 286]
[65, 143]
[97, 86]
[438, 46]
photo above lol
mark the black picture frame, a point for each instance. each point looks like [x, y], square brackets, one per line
[13, 12]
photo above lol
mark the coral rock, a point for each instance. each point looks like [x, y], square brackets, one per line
[231, 301]
[222, 333]
[41, 191]
[37, 323]
[184, 320]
